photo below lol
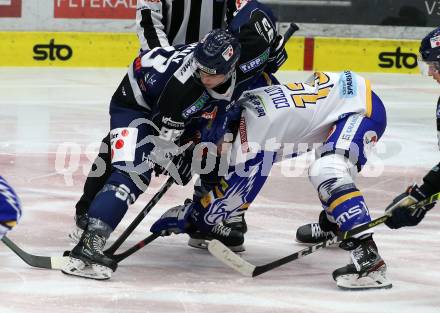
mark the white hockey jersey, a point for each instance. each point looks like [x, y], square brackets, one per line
[293, 118]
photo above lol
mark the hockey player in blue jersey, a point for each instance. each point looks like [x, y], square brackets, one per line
[263, 53]
[151, 116]
[10, 207]
[402, 215]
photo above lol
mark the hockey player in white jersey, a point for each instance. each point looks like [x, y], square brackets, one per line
[337, 110]
[10, 207]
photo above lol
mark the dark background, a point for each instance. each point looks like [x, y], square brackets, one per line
[365, 12]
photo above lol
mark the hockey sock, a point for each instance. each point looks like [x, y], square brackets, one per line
[111, 203]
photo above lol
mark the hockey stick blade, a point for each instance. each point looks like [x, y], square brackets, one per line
[48, 262]
[234, 261]
[231, 259]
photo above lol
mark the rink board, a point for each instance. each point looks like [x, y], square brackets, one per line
[80, 49]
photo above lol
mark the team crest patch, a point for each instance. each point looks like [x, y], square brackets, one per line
[228, 53]
[239, 4]
[435, 42]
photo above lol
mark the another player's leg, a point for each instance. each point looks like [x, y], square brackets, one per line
[229, 198]
[234, 226]
[98, 175]
[10, 207]
[332, 174]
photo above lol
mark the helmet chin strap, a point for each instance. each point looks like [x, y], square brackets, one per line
[227, 95]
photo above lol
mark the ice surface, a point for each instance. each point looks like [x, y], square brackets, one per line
[44, 111]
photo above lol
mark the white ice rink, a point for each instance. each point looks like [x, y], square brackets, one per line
[43, 111]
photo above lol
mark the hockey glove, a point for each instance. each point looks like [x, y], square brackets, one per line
[173, 221]
[277, 56]
[180, 169]
[402, 214]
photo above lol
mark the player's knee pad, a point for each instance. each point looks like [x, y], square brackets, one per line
[333, 177]
[111, 203]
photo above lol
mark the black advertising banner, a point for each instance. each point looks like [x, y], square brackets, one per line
[361, 12]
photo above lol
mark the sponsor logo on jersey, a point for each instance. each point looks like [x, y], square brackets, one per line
[228, 53]
[348, 86]
[168, 121]
[257, 62]
[52, 51]
[351, 213]
[257, 103]
[210, 115]
[397, 59]
[123, 144]
[150, 79]
[243, 135]
[196, 106]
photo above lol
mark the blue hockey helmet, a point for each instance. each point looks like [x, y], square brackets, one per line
[429, 51]
[217, 53]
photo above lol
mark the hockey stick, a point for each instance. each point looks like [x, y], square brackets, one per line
[57, 262]
[54, 262]
[231, 259]
[112, 249]
[122, 256]
[290, 31]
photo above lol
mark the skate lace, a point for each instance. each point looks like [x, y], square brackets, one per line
[234, 219]
[358, 253]
[221, 230]
[317, 232]
[96, 243]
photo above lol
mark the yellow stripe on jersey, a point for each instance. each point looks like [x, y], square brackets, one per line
[10, 223]
[342, 199]
[369, 101]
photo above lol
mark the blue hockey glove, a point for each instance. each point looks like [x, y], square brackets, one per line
[402, 214]
[10, 207]
[217, 128]
[173, 221]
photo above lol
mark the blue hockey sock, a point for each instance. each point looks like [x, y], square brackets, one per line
[111, 203]
[349, 210]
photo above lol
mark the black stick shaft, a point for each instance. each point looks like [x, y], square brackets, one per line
[290, 31]
[112, 249]
[122, 256]
[342, 236]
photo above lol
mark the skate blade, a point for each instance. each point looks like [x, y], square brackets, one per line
[203, 244]
[77, 267]
[353, 282]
